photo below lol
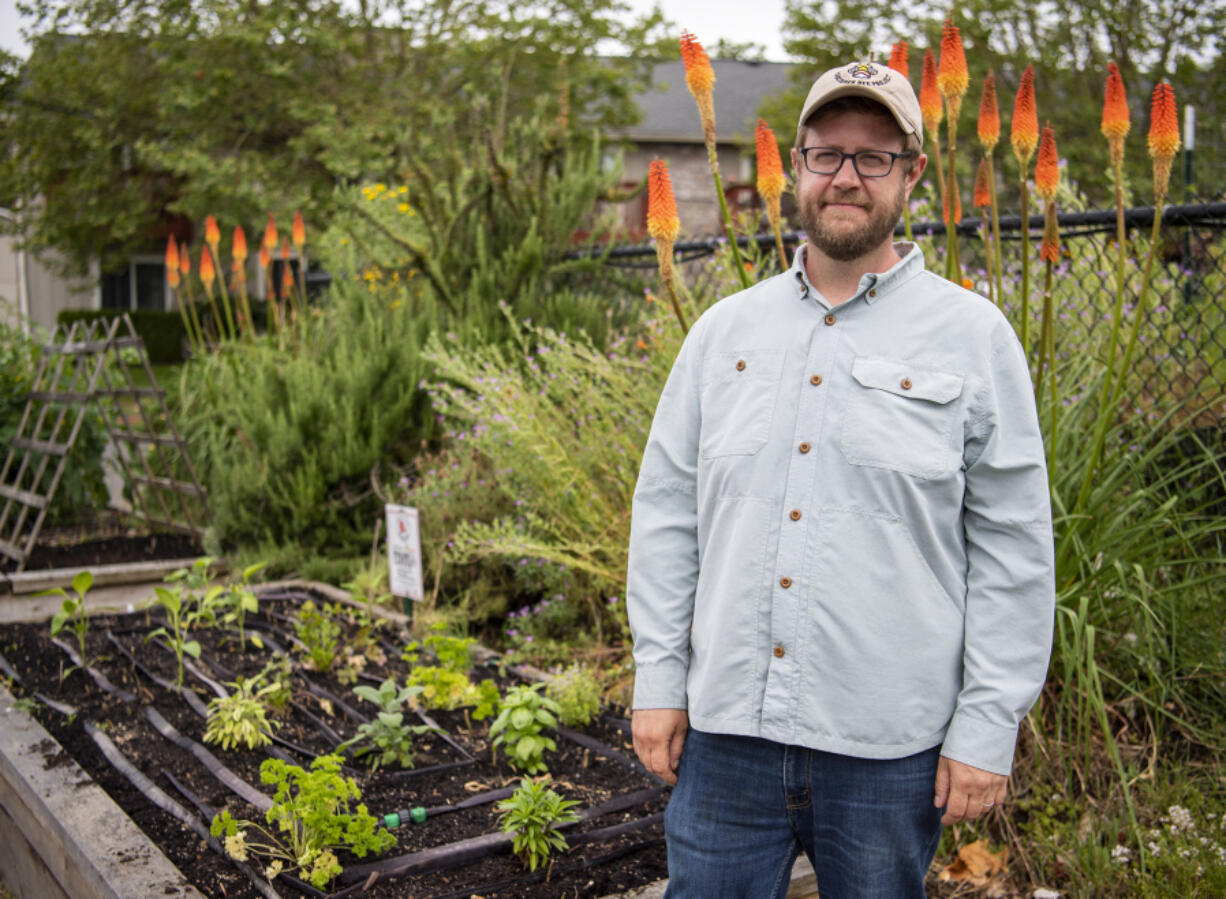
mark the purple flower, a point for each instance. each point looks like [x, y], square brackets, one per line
[528, 638]
[511, 632]
[613, 600]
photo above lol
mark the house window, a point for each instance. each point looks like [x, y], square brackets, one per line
[142, 285]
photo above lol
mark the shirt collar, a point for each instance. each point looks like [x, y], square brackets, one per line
[873, 285]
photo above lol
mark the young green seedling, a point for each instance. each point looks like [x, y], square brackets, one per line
[183, 611]
[72, 611]
[530, 816]
[523, 715]
[387, 739]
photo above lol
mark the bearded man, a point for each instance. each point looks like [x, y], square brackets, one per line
[841, 575]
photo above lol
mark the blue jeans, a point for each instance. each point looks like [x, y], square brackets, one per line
[744, 808]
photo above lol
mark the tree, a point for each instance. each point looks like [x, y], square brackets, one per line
[129, 113]
[1069, 42]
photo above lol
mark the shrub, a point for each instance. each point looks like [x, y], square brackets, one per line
[577, 693]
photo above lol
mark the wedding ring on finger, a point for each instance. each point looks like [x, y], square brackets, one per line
[988, 804]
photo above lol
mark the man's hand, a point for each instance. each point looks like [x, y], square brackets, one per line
[659, 735]
[965, 792]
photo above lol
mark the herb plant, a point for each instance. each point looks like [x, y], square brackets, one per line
[523, 715]
[452, 653]
[319, 633]
[182, 612]
[577, 693]
[443, 688]
[240, 599]
[530, 816]
[72, 611]
[314, 814]
[241, 719]
[387, 738]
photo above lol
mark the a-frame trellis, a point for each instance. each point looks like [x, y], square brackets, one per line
[85, 367]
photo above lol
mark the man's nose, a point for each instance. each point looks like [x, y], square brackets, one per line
[846, 173]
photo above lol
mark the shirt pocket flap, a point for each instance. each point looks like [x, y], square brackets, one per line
[907, 380]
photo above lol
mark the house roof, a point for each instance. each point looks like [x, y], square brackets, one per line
[671, 115]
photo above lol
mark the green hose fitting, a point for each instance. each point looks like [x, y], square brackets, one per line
[416, 814]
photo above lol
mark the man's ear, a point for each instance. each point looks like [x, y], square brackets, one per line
[795, 161]
[917, 172]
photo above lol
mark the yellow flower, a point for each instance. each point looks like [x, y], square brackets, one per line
[403, 207]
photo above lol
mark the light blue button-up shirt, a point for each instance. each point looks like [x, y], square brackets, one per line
[841, 533]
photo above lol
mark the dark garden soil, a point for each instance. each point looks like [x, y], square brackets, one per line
[592, 766]
[104, 541]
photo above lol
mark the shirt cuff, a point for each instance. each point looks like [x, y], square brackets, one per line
[979, 743]
[660, 686]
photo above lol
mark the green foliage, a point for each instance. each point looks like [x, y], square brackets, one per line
[82, 486]
[319, 633]
[577, 693]
[452, 652]
[387, 739]
[531, 816]
[314, 814]
[183, 610]
[312, 96]
[522, 717]
[161, 331]
[240, 599]
[277, 675]
[72, 611]
[241, 719]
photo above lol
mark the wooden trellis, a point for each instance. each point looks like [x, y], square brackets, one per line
[87, 367]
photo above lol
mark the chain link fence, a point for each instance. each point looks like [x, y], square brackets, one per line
[1181, 343]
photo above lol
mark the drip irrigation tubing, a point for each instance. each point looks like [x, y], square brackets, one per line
[595, 745]
[99, 678]
[9, 671]
[462, 852]
[189, 696]
[232, 781]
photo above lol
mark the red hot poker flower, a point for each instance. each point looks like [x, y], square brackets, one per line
[771, 180]
[172, 262]
[1047, 169]
[299, 231]
[185, 261]
[270, 234]
[930, 95]
[662, 221]
[952, 76]
[1116, 121]
[989, 115]
[983, 192]
[700, 79]
[1163, 135]
[1025, 134]
[212, 234]
[898, 58]
[207, 270]
[239, 248]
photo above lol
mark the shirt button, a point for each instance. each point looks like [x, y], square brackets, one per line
[740, 365]
[779, 652]
[906, 383]
[804, 447]
[785, 582]
[830, 319]
[815, 380]
[795, 516]
[872, 293]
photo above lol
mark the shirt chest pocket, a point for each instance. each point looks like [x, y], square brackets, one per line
[900, 417]
[739, 391]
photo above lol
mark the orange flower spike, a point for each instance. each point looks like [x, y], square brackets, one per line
[172, 262]
[212, 234]
[952, 76]
[239, 248]
[700, 79]
[1047, 169]
[957, 209]
[299, 231]
[270, 234]
[185, 261]
[898, 58]
[662, 221]
[1163, 135]
[1116, 121]
[284, 250]
[771, 180]
[287, 282]
[207, 270]
[1025, 133]
[983, 193]
[930, 95]
[264, 257]
[989, 115]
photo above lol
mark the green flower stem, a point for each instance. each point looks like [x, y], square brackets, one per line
[1107, 414]
[676, 302]
[1047, 352]
[225, 299]
[783, 255]
[723, 209]
[1025, 337]
[1117, 313]
[953, 265]
[906, 222]
[1000, 263]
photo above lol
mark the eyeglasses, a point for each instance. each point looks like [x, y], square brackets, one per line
[867, 163]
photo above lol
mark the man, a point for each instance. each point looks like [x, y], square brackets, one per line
[841, 566]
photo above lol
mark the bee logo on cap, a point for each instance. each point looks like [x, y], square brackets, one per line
[864, 73]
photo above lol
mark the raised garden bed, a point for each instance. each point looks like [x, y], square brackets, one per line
[457, 851]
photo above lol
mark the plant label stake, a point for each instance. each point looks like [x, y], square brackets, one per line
[404, 555]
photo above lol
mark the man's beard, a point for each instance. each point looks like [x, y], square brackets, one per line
[845, 246]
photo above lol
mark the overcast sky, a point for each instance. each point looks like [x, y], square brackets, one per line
[736, 20]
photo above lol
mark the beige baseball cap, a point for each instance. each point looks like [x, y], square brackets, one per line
[876, 82]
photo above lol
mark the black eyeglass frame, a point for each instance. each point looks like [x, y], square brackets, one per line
[855, 160]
